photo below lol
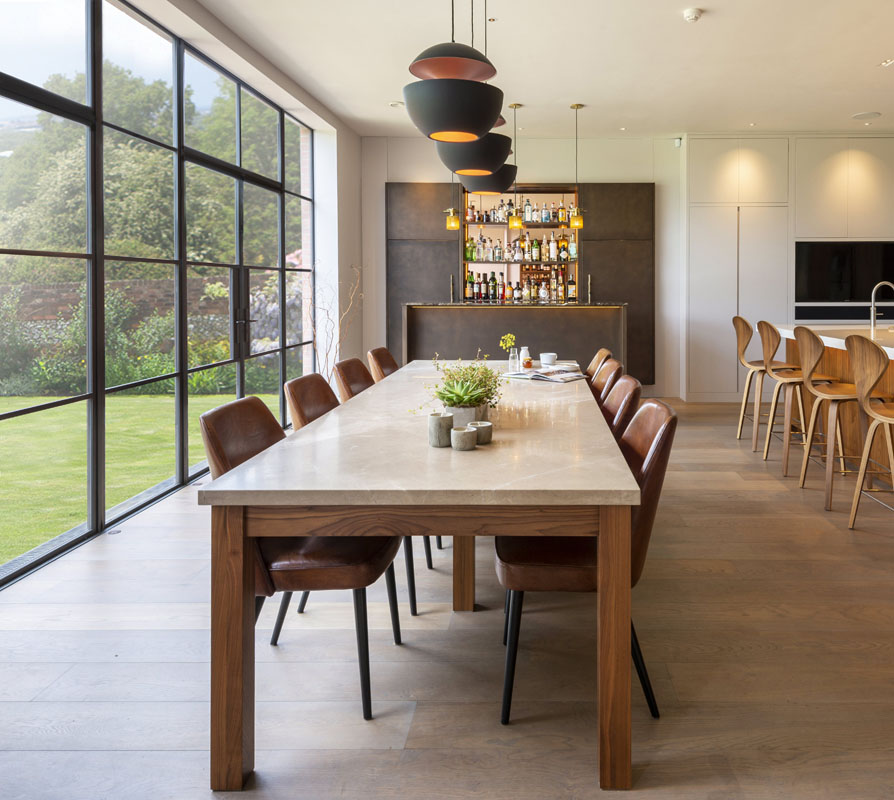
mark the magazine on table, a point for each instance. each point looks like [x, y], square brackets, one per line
[560, 372]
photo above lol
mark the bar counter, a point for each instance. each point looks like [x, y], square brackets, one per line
[459, 330]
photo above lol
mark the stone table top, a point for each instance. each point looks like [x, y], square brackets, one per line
[834, 335]
[551, 446]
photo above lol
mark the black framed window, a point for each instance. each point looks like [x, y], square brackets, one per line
[156, 235]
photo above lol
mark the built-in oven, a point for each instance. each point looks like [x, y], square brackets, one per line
[834, 280]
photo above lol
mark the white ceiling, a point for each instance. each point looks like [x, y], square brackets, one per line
[786, 65]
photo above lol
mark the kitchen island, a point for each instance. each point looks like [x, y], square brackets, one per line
[455, 330]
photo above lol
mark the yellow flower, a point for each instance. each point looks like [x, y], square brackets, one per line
[507, 341]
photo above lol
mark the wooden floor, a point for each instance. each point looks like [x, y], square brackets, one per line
[767, 626]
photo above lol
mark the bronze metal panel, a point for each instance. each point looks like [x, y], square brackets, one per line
[416, 210]
[618, 210]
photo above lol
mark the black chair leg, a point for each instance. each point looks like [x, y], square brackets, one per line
[640, 665]
[303, 602]
[515, 611]
[259, 604]
[392, 602]
[281, 617]
[439, 543]
[506, 618]
[411, 574]
[360, 623]
[426, 541]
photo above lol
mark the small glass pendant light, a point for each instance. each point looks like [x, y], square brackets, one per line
[576, 220]
[452, 219]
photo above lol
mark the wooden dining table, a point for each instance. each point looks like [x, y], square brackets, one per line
[366, 469]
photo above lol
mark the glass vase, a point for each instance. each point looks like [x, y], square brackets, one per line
[514, 365]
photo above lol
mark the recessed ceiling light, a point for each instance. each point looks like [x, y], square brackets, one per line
[867, 123]
[396, 103]
[494, 19]
[751, 124]
[622, 129]
[867, 115]
[887, 62]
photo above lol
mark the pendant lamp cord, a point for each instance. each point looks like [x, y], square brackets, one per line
[473, 23]
[452, 21]
[575, 144]
[485, 28]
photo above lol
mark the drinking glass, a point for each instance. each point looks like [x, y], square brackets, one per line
[514, 365]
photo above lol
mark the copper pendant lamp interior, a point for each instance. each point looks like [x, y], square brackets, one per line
[452, 110]
[501, 120]
[481, 157]
[452, 60]
[494, 184]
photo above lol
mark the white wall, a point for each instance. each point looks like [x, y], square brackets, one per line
[539, 161]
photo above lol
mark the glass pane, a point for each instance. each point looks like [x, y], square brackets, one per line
[260, 226]
[208, 314]
[45, 43]
[140, 328]
[210, 216]
[262, 379]
[264, 309]
[260, 136]
[43, 180]
[299, 233]
[43, 329]
[298, 167]
[208, 389]
[138, 181]
[140, 442]
[299, 306]
[299, 361]
[43, 479]
[137, 74]
[210, 110]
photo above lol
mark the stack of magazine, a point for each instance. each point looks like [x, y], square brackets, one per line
[560, 372]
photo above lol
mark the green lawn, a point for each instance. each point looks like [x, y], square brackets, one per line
[43, 460]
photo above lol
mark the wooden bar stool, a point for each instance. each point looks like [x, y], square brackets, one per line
[744, 334]
[869, 363]
[789, 380]
[834, 393]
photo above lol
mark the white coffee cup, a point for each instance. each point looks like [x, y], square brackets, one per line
[548, 359]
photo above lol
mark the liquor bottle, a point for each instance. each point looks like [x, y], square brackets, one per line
[563, 247]
[535, 250]
[517, 293]
[563, 216]
[553, 287]
[470, 213]
[470, 249]
[509, 291]
[526, 293]
[544, 249]
[498, 251]
[476, 289]
[560, 287]
[572, 287]
[509, 209]
[501, 289]
[553, 214]
[544, 213]
[470, 288]
[572, 248]
[528, 210]
[535, 213]
[527, 246]
[492, 289]
[544, 293]
[553, 246]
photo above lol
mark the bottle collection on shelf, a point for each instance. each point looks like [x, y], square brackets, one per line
[496, 291]
[553, 250]
[528, 212]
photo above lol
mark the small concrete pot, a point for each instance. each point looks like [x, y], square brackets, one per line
[484, 429]
[462, 416]
[440, 423]
[465, 438]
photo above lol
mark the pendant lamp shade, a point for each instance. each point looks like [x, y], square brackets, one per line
[501, 120]
[451, 110]
[452, 60]
[497, 183]
[481, 157]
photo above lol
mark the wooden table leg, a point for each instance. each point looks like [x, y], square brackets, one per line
[463, 573]
[232, 651]
[613, 635]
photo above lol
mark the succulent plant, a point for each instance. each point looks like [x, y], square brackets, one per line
[461, 394]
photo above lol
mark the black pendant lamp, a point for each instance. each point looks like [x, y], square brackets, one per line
[497, 183]
[482, 157]
[451, 110]
[453, 59]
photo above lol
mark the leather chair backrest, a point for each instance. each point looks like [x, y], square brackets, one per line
[309, 397]
[381, 363]
[744, 332]
[598, 360]
[352, 378]
[605, 378]
[646, 444]
[621, 403]
[233, 433]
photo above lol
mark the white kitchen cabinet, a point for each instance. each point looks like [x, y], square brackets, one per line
[762, 270]
[712, 299]
[870, 188]
[713, 171]
[821, 188]
[763, 170]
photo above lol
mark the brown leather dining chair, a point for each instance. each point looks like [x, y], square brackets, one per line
[621, 403]
[597, 361]
[239, 430]
[381, 363]
[569, 564]
[870, 363]
[352, 378]
[605, 378]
